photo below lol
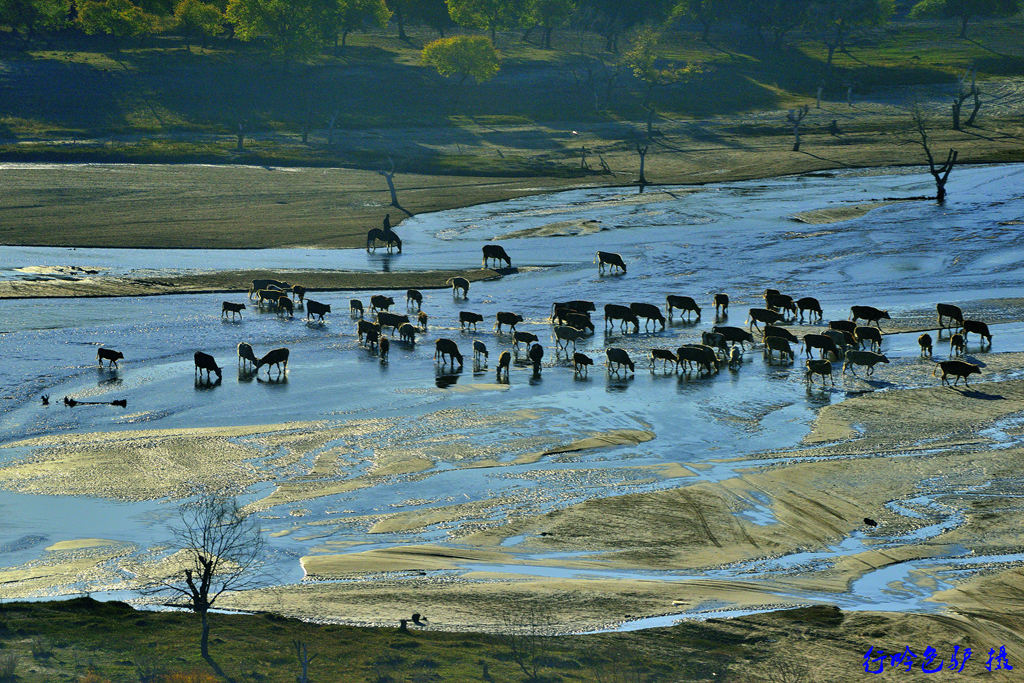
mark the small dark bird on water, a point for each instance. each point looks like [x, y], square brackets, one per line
[46, 399]
[870, 522]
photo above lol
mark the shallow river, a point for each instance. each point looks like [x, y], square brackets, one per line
[733, 237]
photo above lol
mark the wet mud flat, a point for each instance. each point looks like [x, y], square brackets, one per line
[599, 502]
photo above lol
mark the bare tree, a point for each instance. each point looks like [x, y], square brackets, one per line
[795, 117]
[389, 176]
[304, 658]
[641, 150]
[527, 635]
[939, 172]
[963, 93]
[219, 547]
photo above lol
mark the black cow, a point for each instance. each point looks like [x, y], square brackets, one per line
[624, 314]
[109, 355]
[392, 320]
[684, 303]
[957, 368]
[318, 309]
[610, 259]
[276, 357]
[649, 312]
[618, 357]
[234, 309]
[868, 313]
[447, 348]
[414, 296]
[469, 318]
[379, 302]
[979, 328]
[458, 283]
[809, 303]
[495, 252]
[205, 361]
[506, 318]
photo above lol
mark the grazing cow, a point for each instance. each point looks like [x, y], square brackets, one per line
[269, 296]
[504, 361]
[205, 361]
[925, 342]
[421, 319]
[810, 304]
[414, 296]
[872, 335]
[763, 315]
[624, 314]
[821, 342]
[581, 321]
[364, 327]
[776, 331]
[666, 357]
[950, 311]
[819, 367]
[373, 336]
[276, 357]
[843, 325]
[383, 349]
[734, 335]
[957, 345]
[389, 238]
[523, 338]
[773, 344]
[776, 302]
[407, 332]
[495, 252]
[867, 358]
[469, 318]
[564, 334]
[703, 356]
[618, 357]
[868, 313]
[443, 348]
[843, 340]
[245, 354]
[379, 302]
[458, 283]
[561, 309]
[649, 312]
[355, 306]
[257, 285]
[285, 304]
[958, 369]
[235, 309]
[581, 360]
[979, 328]
[299, 293]
[684, 303]
[770, 292]
[612, 260]
[319, 310]
[109, 355]
[715, 340]
[479, 349]
[506, 318]
[735, 357]
[721, 301]
[536, 354]
[392, 320]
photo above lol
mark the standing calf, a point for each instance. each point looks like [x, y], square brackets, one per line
[234, 309]
[109, 355]
[205, 361]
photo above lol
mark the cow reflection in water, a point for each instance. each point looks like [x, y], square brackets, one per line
[446, 378]
[206, 383]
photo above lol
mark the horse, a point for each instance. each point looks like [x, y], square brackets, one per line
[389, 239]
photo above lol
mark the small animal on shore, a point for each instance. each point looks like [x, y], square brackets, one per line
[495, 252]
[407, 332]
[810, 305]
[735, 357]
[925, 342]
[581, 361]
[446, 348]
[284, 303]
[957, 345]
[868, 313]
[870, 335]
[618, 358]
[958, 368]
[229, 307]
[536, 354]
[952, 312]
[383, 349]
[870, 522]
[246, 355]
[979, 328]
[277, 357]
[624, 314]
[721, 302]
[421, 318]
[389, 238]
[819, 367]
[648, 312]
[686, 304]
[299, 293]
[869, 359]
[506, 318]
[610, 259]
[109, 355]
[480, 349]
[504, 361]
[318, 309]
[458, 283]
[469, 318]
[414, 296]
[355, 306]
[379, 302]
[205, 361]
[257, 285]
[666, 357]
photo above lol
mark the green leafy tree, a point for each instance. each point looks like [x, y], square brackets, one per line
[28, 17]
[551, 14]
[965, 10]
[834, 20]
[642, 59]
[352, 15]
[772, 20]
[612, 18]
[707, 13]
[118, 19]
[198, 18]
[293, 29]
[432, 13]
[490, 15]
[461, 58]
